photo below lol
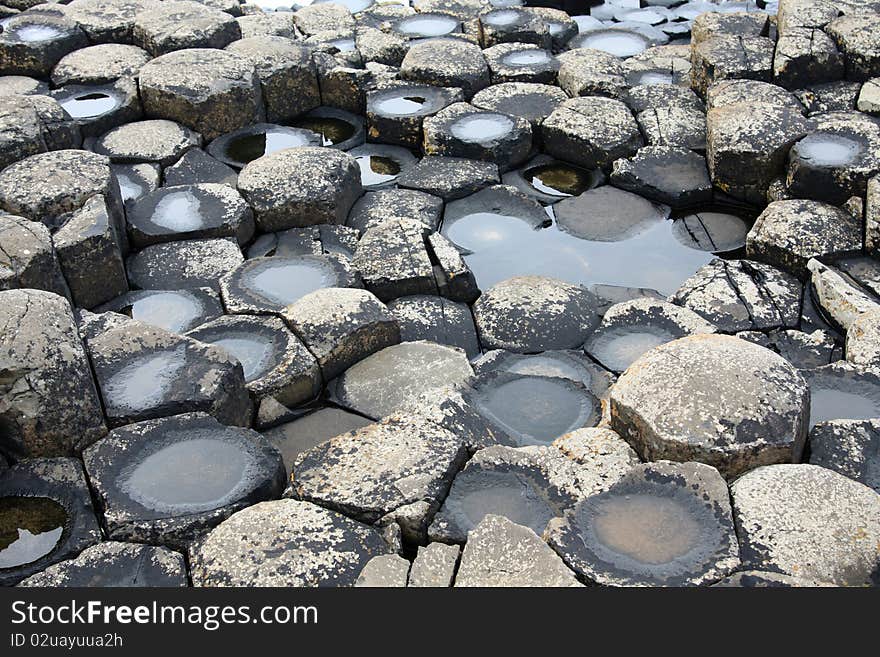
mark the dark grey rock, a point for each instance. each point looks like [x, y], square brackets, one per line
[809, 522]
[33, 124]
[850, 447]
[433, 318]
[106, 21]
[510, 24]
[398, 204]
[180, 24]
[843, 391]
[667, 174]
[528, 100]
[169, 481]
[395, 111]
[47, 516]
[48, 401]
[434, 566]
[27, 258]
[392, 258]
[751, 579]
[177, 311]
[801, 349]
[196, 166]
[144, 373]
[300, 187]
[722, 57]
[135, 180]
[674, 125]
[446, 63]
[521, 62]
[97, 108]
[112, 564]
[211, 91]
[840, 96]
[449, 177]
[32, 43]
[806, 56]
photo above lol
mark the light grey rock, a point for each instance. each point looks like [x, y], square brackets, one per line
[399, 204]
[590, 72]
[285, 543]
[869, 97]
[675, 126]
[863, 339]
[112, 564]
[500, 553]
[382, 383]
[433, 318]
[801, 349]
[23, 55]
[393, 260]
[850, 447]
[742, 295]
[446, 63]
[725, 56]
[384, 571]
[840, 298]
[398, 470]
[27, 259]
[301, 187]
[806, 56]
[843, 390]
[535, 313]
[591, 132]
[34, 124]
[809, 522]
[342, 326]
[434, 566]
[49, 500]
[740, 23]
[663, 524]
[856, 36]
[449, 178]
[145, 373]
[789, 233]
[48, 401]
[521, 62]
[157, 140]
[106, 21]
[99, 64]
[211, 91]
[714, 399]
[169, 481]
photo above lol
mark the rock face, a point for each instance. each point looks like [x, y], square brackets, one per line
[714, 399]
[850, 447]
[27, 259]
[394, 471]
[663, 524]
[285, 543]
[48, 401]
[502, 553]
[810, 522]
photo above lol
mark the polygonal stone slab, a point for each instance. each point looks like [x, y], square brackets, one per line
[801, 349]
[663, 524]
[99, 64]
[46, 515]
[433, 318]
[535, 313]
[211, 91]
[31, 44]
[500, 553]
[181, 24]
[381, 383]
[285, 543]
[842, 390]
[446, 63]
[156, 140]
[714, 399]
[723, 57]
[33, 124]
[177, 311]
[106, 21]
[591, 72]
[196, 166]
[301, 187]
[115, 564]
[186, 264]
[521, 62]
[434, 566]
[27, 259]
[398, 469]
[341, 326]
[395, 111]
[667, 174]
[144, 372]
[856, 37]
[850, 447]
[742, 295]
[449, 177]
[529, 100]
[810, 522]
[384, 571]
[48, 401]
[841, 299]
[375, 207]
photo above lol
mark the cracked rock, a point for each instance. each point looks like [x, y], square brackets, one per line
[850, 447]
[181, 24]
[393, 260]
[446, 63]
[384, 571]
[434, 566]
[841, 299]
[667, 174]
[27, 258]
[801, 349]
[395, 204]
[722, 57]
[433, 318]
[185, 264]
[715, 399]
[449, 178]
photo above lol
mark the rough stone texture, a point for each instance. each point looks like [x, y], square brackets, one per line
[667, 174]
[602, 539]
[806, 56]
[287, 75]
[27, 259]
[676, 126]
[301, 187]
[501, 553]
[449, 178]
[342, 326]
[33, 124]
[588, 72]
[393, 260]
[211, 91]
[434, 566]
[179, 24]
[751, 579]
[789, 233]
[395, 471]
[115, 564]
[856, 37]
[99, 64]
[869, 97]
[446, 63]
[131, 513]
[384, 571]
[106, 21]
[373, 208]
[705, 26]
[61, 480]
[158, 140]
[528, 100]
[714, 399]
[801, 349]
[535, 313]
[193, 376]
[36, 57]
[723, 57]
[850, 447]
[185, 264]
[433, 318]
[863, 339]
[742, 295]
[809, 522]
[285, 543]
[746, 146]
[48, 401]
[591, 132]
[840, 298]
[196, 166]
